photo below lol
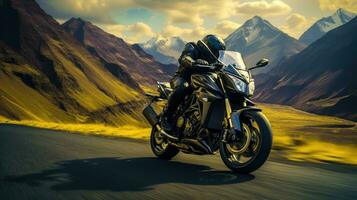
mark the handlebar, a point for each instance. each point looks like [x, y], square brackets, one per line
[214, 66]
[211, 67]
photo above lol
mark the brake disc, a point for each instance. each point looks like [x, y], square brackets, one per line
[240, 145]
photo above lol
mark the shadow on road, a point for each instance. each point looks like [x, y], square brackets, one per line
[133, 174]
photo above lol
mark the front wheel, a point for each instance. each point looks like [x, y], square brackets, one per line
[249, 151]
[160, 146]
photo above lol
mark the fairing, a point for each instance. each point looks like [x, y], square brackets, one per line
[210, 98]
[206, 81]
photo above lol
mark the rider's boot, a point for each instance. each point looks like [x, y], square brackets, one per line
[167, 122]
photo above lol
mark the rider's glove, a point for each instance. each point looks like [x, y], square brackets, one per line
[218, 66]
[200, 62]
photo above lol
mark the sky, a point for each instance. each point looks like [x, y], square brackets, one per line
[137, 21]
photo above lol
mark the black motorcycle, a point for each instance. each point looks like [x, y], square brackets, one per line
[217, 115]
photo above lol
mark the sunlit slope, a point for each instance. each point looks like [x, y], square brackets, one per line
[94, 87]
[26, 94]
[20, 102]
[118, 54]
[46, 75]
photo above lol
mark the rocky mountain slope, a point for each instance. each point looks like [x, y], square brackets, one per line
[320, 79]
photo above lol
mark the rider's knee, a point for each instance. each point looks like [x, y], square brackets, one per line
[179, 83]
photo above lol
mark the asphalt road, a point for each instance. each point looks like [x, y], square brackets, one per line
[44, 164]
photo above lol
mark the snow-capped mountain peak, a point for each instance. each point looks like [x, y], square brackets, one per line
[339, 18]
[257, 38]
[252, 31]
[343, 15]
[325, 24]
[165, 50]
[160, 41]
[257, 21]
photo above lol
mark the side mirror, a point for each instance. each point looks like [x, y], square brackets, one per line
[262, 63]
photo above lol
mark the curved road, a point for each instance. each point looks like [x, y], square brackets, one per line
[44, 164]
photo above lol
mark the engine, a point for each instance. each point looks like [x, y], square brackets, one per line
[189, 123]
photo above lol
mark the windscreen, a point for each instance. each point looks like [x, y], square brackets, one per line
[234, 64]
[232, 58]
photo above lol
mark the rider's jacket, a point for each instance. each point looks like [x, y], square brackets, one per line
[189, 55]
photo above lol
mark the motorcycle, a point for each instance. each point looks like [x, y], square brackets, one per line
[218, 115]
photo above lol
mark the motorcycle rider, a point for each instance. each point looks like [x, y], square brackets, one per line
[204, 52]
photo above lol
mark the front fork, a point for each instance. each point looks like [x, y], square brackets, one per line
[228, 123]
[232, 122]
[231, 125]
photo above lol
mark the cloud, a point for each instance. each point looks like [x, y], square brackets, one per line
[189, 14]
[296, 24]
[176, 11]
[296, 20]
[190, 11]
[187, 34]
[130, 33]
[332, 5]
[224, 28]
[179, 17]
[117, 30]
[141, 28]
[93, 10]
[184, 18]
[264, 8]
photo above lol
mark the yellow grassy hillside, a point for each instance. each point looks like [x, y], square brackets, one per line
[304, 136]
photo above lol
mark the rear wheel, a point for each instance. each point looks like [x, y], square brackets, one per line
[248, 152]
[160, 146]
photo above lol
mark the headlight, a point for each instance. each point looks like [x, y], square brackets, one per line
[240, 85]
[251, 87]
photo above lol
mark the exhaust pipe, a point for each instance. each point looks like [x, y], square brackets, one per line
[150, 115]
[170, 137]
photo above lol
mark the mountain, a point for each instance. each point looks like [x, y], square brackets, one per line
[324, 25]
[169, 69]
[321, 78]
[164, 50]
[118, 55]
[257, 39]
[47, 75]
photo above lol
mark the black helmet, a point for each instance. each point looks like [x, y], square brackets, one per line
[211, 44]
